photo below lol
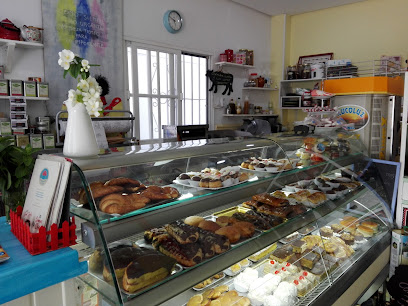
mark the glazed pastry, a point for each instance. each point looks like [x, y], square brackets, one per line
[300, 196]
[232, 233]
[157, 193]
[150, 234]
[365, 231]
[271, 219]
[371, 224]
[185, 254]
[326, 232]
[118, 203]
[266, 198]
[245, 164]
[182, 232]
[209, 225]
[246, 229]
[279, 194]
[281, 212]
[251, 204]
[121, 258]
[317, 198]
[243, 176]
[146, 270]
[224, 220]
[193, 220]
[211, 241]
[254, 218]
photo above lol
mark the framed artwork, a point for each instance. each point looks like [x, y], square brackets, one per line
[315, 58]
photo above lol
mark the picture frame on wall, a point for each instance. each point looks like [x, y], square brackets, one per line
[315, 58]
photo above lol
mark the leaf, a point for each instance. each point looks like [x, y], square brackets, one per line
[21, 171]
[27, 160]
[65, 73]
[8, 180]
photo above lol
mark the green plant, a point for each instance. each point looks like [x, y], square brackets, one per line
[16, 165]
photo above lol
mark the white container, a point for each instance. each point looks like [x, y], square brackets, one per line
[317, 71]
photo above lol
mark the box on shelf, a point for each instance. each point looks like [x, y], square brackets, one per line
[5, 127]
[17, 100]
[18, 115]
[18, 107]
[36, 141]
[42, 89]
[16, 88]
[19, 131]
[4, 88]
[48, 141]
[22, 140]
[19, 124]
[30, 89]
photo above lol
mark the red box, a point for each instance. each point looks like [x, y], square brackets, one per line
[229, 52]
[39, 243]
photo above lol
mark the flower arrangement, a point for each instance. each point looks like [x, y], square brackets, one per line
[88, 90]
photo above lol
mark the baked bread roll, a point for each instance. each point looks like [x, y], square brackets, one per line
[193, 220]
[209, 225]
[118, 203]
[371, 224]
[365, 231]
[246, 229]
[231, 232]
[225, 220]
[182, 232]
[98, 190]
[146, 270]
[157, 193]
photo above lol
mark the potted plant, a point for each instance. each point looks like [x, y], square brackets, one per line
[16, 166]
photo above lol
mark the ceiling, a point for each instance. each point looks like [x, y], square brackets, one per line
[292, 7]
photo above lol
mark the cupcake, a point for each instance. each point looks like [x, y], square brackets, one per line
[325, 187]
[331, 194]
[204, 182]
[260, 167]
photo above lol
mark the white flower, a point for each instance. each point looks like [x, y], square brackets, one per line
[65, 58]
[83, 85]
[64, 64]
[85, 63]
[93, 107]
[92, 82]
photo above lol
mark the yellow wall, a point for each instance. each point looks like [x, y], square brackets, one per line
[361, 31]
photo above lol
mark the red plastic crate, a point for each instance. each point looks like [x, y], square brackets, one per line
[39, 243]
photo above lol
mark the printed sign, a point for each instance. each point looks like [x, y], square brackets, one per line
[357, 117]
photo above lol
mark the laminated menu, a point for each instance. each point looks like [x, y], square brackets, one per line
[45, 196]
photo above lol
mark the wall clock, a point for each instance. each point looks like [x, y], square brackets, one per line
[172, 21]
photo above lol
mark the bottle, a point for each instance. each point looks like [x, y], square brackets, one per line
[246, 105]
[232, 107]
[239, 109]
[270, 107]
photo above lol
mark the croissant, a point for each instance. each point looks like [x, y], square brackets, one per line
[98, 190]
[129, 184]
[117, 203]
[157, 193]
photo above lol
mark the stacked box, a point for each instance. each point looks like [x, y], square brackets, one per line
[18, 115]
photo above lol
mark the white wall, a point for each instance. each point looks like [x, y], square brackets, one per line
[209, 27]
[26, 62]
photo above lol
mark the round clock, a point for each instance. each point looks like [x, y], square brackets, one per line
[172, 21]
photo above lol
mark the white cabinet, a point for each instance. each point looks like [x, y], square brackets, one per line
[287, 95]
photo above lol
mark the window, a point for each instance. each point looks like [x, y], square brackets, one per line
[166, 87]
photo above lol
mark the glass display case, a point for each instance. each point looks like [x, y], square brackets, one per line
[158, 220]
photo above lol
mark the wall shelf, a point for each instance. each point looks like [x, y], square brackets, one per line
[250, 115]
[26, 98]
[8, 46]
[229, 64]
[260, 88]
[301, 80]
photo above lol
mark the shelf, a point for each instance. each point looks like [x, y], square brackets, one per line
[9, 46]
[250, 115]
[301, 80]
[229, 64]
[260, 88]
[21, 44]
[26, 98]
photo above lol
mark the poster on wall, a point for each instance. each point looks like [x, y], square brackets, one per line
[356, 117]
[91, 29]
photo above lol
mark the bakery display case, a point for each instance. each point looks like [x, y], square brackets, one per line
[158, 220]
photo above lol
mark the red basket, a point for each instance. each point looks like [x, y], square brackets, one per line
[39, 243]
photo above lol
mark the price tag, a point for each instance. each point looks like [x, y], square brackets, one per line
[100, 135]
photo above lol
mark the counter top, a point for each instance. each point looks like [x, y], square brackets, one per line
[23, 273]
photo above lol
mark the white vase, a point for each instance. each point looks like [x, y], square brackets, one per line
[80, 140]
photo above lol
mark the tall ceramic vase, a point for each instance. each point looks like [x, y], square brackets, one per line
[80, 140]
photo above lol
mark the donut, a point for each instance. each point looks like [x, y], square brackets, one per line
[209, 225]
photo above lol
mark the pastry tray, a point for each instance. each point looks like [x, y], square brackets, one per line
[230, 211]
[207, 188]
[213, 281]
[99, 275]
[265, 172]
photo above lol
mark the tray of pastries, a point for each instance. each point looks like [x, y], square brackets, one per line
[261, 165]
[209, 281]
[220, 295]
[213, 179]
[122, 195]
[136, 268]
